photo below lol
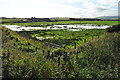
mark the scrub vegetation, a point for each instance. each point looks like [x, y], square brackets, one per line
[89, 53]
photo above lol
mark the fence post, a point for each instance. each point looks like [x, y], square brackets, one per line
[48, 54]
[98, 36]
[64, 47]
[65, 57]
[66, 54]
[55, 54]
[84, 40]
[92, 37]
[43, 51]
[75, 46]
[36, 49]
[58, 61]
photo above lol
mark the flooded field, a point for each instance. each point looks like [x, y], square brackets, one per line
[68, 27]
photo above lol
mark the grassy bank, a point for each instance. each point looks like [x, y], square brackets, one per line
[96, 59]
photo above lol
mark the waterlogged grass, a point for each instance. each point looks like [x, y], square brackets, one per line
[44, 24]
[65, 38]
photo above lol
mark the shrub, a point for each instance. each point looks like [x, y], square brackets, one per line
[114, 28]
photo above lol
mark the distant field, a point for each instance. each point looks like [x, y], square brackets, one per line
[12, 20]
[54, 19]
[44, 24]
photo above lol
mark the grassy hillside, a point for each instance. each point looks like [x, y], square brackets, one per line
[27, 58]
[99, 58]
[21, 56]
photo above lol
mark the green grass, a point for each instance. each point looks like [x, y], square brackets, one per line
[37, 24]
[53, 19]
[63, 37]
[12, 20]
[22, 57]
[96, 59]
[100, 56]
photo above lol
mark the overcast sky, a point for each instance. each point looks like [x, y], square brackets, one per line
[58, 8]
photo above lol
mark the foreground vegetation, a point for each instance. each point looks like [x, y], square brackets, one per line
[28, 58]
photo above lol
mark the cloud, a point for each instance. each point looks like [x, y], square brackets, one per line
[101, 9]
[58, 8]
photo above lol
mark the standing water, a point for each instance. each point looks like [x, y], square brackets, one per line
[68, 27]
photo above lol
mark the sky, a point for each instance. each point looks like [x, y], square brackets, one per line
[58, 8]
